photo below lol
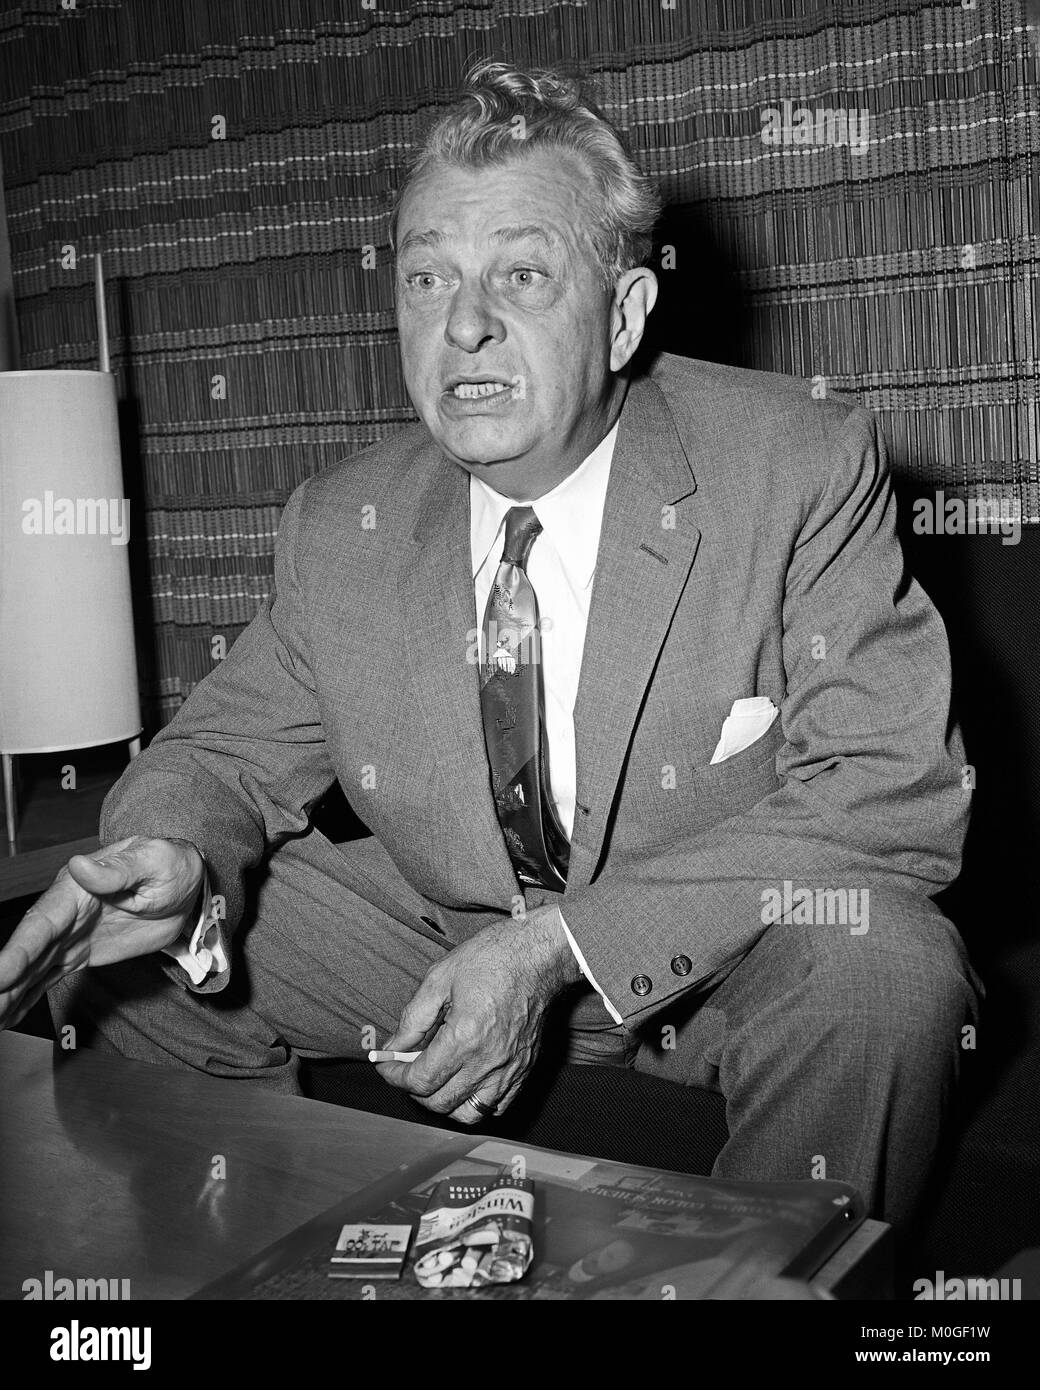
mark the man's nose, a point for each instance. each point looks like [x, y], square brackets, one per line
[472, 321]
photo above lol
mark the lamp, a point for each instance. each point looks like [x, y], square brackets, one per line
[68, 673]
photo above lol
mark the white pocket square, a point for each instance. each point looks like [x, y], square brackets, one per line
[748, 720]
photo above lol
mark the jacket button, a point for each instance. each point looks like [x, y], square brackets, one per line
[642, 984]
[682, 965]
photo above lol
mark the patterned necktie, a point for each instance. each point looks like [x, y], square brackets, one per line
[512, 702]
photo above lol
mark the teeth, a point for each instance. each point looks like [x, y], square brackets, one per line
[472, 390]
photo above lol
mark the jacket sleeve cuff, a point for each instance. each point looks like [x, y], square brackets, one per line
[584, 968]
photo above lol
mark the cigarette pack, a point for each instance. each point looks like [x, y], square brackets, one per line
[475, 1231]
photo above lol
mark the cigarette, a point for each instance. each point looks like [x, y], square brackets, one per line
[393, 1056]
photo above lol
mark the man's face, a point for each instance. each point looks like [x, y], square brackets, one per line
[503, 319]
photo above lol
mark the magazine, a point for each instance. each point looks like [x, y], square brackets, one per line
[602, 1230]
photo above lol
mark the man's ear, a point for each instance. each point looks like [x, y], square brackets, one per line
[635, 295]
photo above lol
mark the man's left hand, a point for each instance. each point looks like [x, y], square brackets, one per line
[489, 998]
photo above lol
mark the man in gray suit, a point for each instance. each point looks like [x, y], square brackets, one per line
[626, 678]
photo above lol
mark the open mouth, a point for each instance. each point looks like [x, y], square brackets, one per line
[477, 390]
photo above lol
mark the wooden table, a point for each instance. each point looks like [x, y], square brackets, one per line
[112, 1169]
[106, 1168]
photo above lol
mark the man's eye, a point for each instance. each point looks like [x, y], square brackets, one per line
[525, 275]
[423, 279]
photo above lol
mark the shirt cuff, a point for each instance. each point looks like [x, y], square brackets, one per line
[583, 967]
[200, 952]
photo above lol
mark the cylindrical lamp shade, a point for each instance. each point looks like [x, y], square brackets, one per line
[68, 674]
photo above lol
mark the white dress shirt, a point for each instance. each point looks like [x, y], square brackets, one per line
[561, 567]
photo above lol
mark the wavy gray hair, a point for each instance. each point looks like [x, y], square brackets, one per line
[556, 112]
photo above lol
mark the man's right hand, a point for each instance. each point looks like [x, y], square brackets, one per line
[129, 899]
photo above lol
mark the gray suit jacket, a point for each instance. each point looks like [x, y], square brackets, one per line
[748, 548]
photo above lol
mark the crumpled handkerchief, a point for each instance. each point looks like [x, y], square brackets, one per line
[747, 721]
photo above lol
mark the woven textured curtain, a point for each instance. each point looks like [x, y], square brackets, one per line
[853, 197]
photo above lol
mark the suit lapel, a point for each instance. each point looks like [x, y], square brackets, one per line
[437, 606]
[641, 569]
